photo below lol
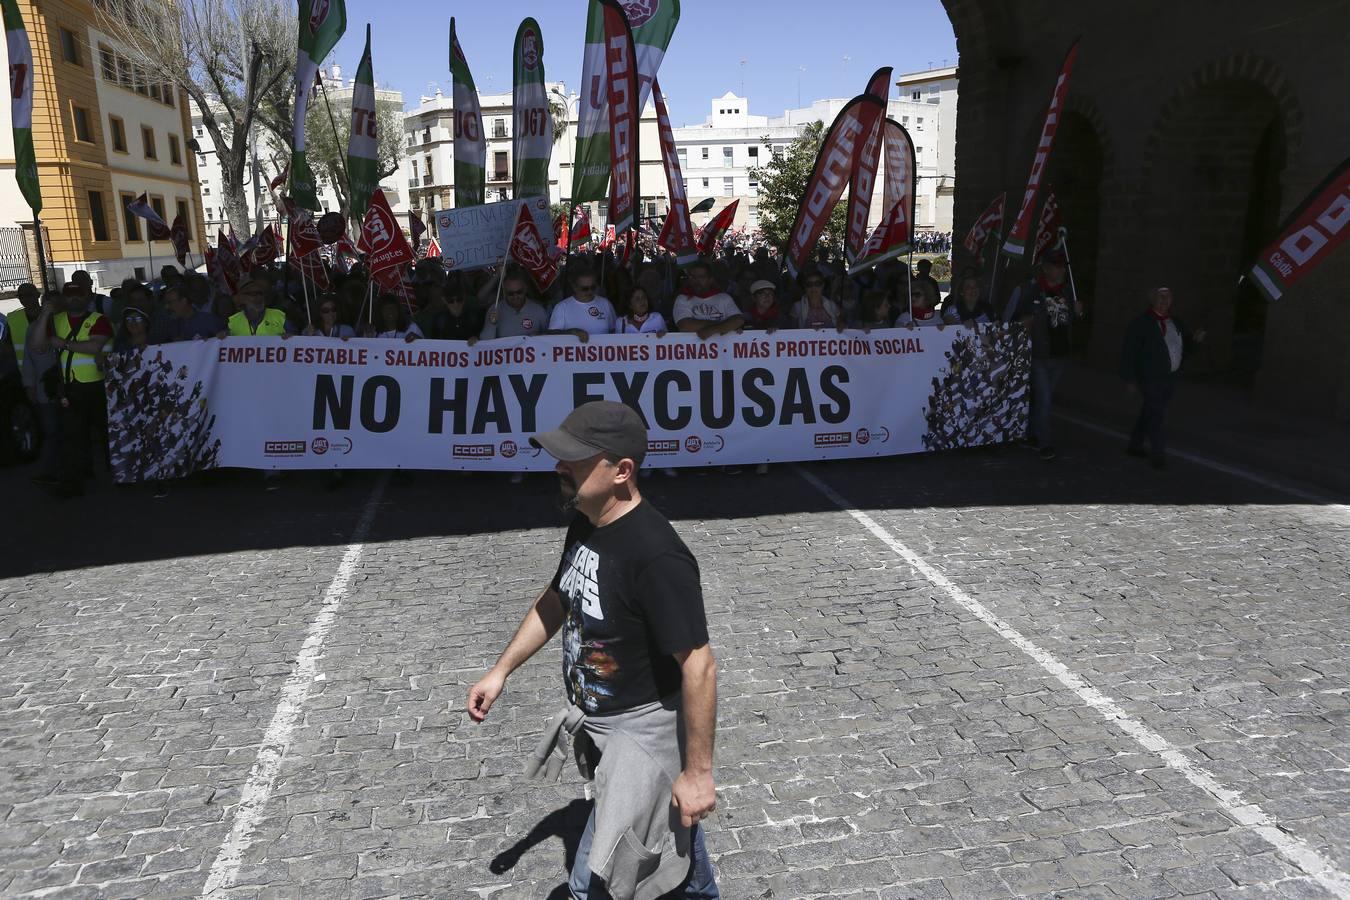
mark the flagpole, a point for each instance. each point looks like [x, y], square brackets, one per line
[304, 286]
[337, 142]
[149, 248]
[1068, 262]
[41, 252]
[909, 282]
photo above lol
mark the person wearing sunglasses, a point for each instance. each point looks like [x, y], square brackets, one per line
[814, 309]
[327, 324]
[703, 308]
[134, 332]
[585, 312]
[517, 315]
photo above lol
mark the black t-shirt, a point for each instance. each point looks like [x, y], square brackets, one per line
[632, 599]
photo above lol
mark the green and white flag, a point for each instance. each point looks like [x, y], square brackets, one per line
[470, 142]
[21, 109]
[653, 23]
[322, 23]
[532, 141]
[363, 147]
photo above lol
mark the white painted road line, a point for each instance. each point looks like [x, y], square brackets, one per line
[1225, 468]
[1231, 802]
[276, 740]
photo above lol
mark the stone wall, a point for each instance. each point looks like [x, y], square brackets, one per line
[1188, 139]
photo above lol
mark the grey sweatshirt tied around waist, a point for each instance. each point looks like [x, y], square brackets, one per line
[638, 848]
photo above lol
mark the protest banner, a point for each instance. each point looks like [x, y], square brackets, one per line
[363, 144]
[532, 135]
[1311, 233]
[477, 236]
[311, 403]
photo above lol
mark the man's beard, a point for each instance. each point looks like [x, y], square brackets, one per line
[567, 494]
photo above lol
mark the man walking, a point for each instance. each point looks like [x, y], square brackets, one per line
[640, 676]
[1046, 307]
[1155, 344]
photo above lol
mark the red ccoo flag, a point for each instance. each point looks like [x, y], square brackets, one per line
[581, 229]
[989, 222]
[864, 178]
[1047, 232]
[1313, 231]
[1020, 234]
[716, 227]
[621, 85]
[530, 250]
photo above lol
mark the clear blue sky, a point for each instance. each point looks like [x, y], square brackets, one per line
[774, 38]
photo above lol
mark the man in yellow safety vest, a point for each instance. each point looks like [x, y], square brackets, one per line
[255, 318]
[78, 335]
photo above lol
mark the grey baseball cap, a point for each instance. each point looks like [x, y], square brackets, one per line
[601, 426]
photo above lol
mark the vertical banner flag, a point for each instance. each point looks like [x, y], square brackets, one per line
[864, 178]
[653, 23]
[21, 105]
[322, 23]
[529, 248]
[581, 228]
[1047, 232]
[889, 240]
[989, 222]
[532, 141]
[363, 147]
[621, 86]
[1319, 225]
[178, 236]
[1019, 236]
[677, 235]
[716, 227]
[470, 142]
[900, 168]
[830, 175]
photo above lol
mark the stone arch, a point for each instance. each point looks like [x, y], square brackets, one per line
[1212, 176]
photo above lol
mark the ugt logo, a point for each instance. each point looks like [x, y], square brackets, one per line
[318, 14]
[639, 12]
[529, 53]
[379, 230]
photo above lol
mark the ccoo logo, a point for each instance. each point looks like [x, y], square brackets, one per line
[318, 14]
[640, 12]
[529, 53]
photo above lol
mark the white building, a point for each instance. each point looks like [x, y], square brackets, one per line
[267, 162]
[717, 157]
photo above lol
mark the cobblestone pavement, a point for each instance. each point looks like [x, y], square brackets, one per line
[877, 740]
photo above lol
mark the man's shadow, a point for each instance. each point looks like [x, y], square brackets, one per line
[566, 823]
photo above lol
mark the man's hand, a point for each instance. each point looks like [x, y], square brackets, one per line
[707, 331]
[582, 335]
[694, 796]
[483, 694]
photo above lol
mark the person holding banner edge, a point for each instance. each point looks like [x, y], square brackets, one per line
[640, 675]
[1047, 307]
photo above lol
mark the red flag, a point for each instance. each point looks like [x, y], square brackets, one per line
[178, 236]
[621, 79]
[433, 249]
[311, 266]
[1319, 225]
[304, 236]
[560, 229]
[830, 175]
[529, 249]
[267, 250]
[417, 228]
[716, 227]
[888, 240]
[864, 178]
[1016, 244]
[391, 281]
[989, 222]
[900, 165]
[381, 238]
[281, 177]
[581, 229]
[216, 274]
[677, 234]
[608, 240]
[629, 242]
[245, 255]
[227, 260]
[1047, 233]
[154, 224]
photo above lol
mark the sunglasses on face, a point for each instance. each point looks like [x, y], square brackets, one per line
[135, 318]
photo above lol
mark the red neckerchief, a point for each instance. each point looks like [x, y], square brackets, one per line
[767, 317]
[1051, 290]
[712, 292]
[1162, 320]
[636, 321]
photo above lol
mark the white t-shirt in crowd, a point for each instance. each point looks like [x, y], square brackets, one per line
[654, 322]
[596, 317]
[402, 332]
[705, 309]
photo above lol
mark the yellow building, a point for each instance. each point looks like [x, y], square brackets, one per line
[103, 135]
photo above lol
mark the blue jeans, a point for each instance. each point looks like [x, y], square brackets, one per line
[700, 885]
[1045, 374]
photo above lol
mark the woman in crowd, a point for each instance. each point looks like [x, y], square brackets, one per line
[639, 317]
[762, 313]
[327, 324]
[815, 310]
[967, 305]
[874, 311]
[134, 331]
[392, 321]
[924, 306]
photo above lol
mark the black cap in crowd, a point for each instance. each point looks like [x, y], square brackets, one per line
[601, 426]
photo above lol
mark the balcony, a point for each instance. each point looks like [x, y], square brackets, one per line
[499, 175]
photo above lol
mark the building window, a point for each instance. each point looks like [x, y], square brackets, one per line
[107, 63]
[499, 165]
[651, 210]
[167, 91]
[97, 217]
[83, 130]
[499, 128]
[431, 175]
[196, 131]
[157, 204]
[728, 187]
[206, 190]
[705, 153]
[604, 209]
[754, 188]
[155, 94]
[682, 153]
[917, 95]
[918, 123]
[133, 223]
[175, 153]
[119, 134]
[183, 216]
[753, 214]
[778, 149]
[426, 135]
[705, 184]
[70, 47]
[685, 182]
[727, 155]
[904, 120]
[413, 163]
[754, 151]
[148, 142]
[140, 81]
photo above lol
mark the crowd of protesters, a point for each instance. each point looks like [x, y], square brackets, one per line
[58, 344]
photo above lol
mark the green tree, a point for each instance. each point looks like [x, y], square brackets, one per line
[783, 182]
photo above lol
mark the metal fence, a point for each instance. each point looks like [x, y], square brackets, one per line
[15, 268]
